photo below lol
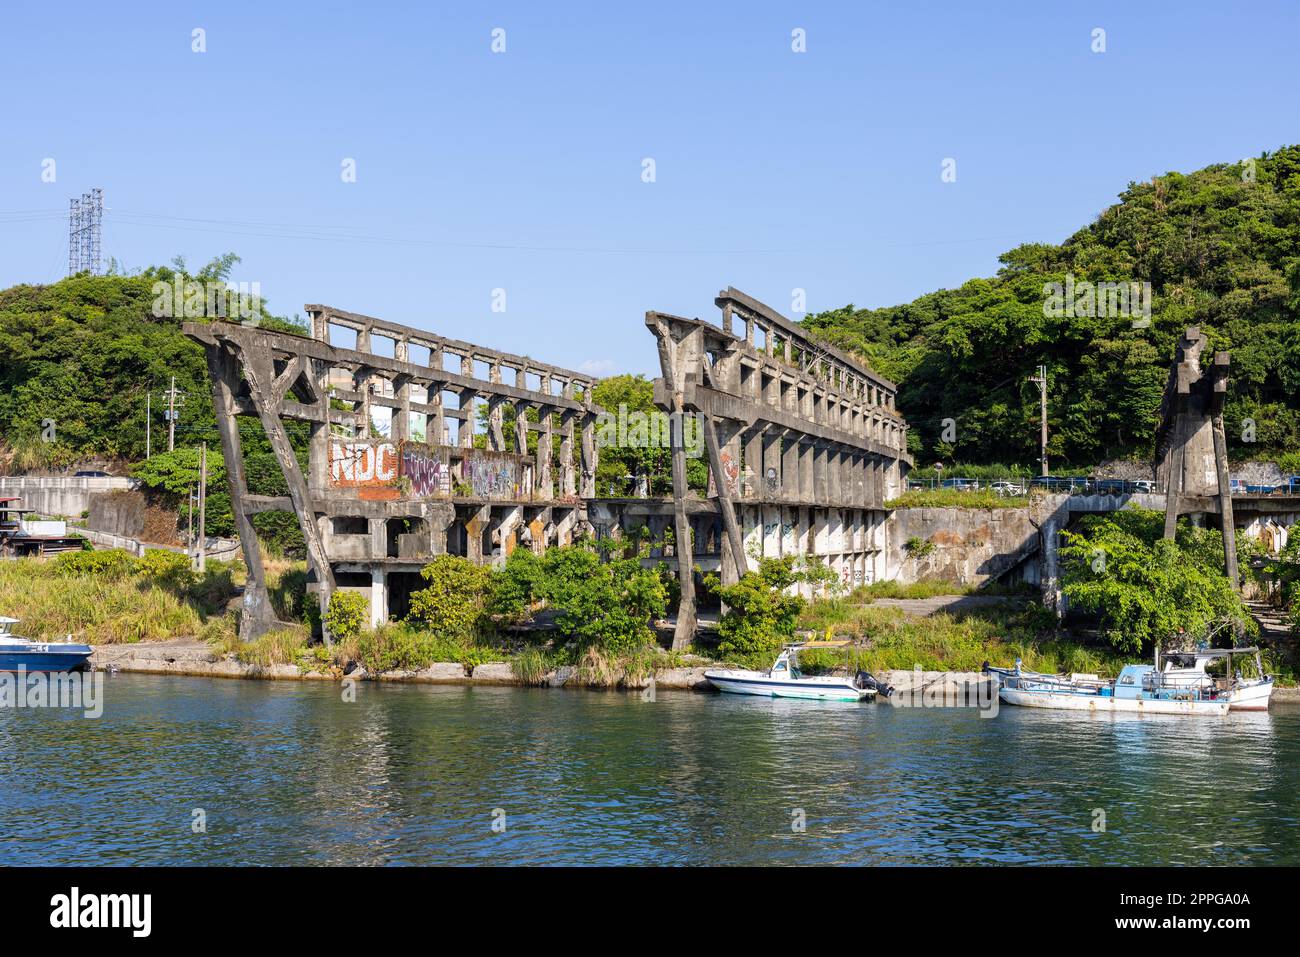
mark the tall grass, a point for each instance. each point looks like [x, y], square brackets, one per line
[112, 601]
[284, 646]
[891, 640]
[956, 498]
[93, 608]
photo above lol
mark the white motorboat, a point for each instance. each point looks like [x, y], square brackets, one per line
[1190, 669]
[1139, 688]
[784, 680]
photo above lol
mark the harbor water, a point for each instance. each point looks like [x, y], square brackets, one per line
[199, 771]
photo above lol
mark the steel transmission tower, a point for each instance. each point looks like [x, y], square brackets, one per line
[85, 224]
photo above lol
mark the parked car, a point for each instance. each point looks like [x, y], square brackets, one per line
[961, 484]
[1008, 488]
[1058, 483]
[1144, 486]
[91, 473]
[1111, 487]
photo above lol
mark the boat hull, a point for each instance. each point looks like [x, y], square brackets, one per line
[52, 661]
[1252, 697]
[1102, 704]
[762, 686]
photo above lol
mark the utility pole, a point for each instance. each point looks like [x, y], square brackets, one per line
[171, 416]
[203, 508]
[1041, 381]
[190, 538]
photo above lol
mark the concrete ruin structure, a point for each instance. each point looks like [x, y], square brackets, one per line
[393, 475]
[1191, 457]
[804, 446]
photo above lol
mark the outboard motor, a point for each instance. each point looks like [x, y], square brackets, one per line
[866, 681]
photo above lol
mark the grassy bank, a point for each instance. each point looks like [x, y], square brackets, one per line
[891, 639]
[956, 498]
[109, 597]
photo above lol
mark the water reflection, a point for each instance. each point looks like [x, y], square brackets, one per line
[289, 772]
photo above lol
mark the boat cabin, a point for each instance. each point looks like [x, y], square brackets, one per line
[1134, 679]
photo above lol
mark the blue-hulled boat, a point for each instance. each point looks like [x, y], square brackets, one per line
[23, 654]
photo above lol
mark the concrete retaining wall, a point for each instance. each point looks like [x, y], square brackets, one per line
[119, 512]
[967, 546]
[60, 495]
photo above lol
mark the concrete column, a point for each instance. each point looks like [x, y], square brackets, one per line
[568, 480]
[791, 488]
[378, 597]
[752, 474]
[546, 453]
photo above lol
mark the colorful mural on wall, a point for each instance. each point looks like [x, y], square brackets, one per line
[416, 470]
[496, 475]
[362, 463]
[428, 469]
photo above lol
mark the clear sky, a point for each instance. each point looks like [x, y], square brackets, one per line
[523, 170]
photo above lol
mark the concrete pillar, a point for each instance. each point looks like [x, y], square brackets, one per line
[752, 473]
[568, 479]
[546, 451]
[378, 597]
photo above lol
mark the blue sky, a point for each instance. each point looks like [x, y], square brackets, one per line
[522, 170]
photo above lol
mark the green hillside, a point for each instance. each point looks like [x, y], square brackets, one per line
[1220, 248]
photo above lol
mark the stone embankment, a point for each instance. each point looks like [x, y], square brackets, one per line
[918, 688]
[197, 658]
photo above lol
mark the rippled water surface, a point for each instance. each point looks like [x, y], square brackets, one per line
[287, 772]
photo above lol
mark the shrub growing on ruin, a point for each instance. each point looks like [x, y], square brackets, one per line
[760, 615]
[1143, 588]
[453, 604]
[347, 614]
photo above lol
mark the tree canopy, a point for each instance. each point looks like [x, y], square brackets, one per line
[1220, 248]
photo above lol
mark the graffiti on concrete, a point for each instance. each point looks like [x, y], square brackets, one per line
[428, 470]
[362, 464]
[495, 475]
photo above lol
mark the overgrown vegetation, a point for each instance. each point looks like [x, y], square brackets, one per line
[108, 597]
[1221, 249]
[959, 642]
[956, 498]
[760, 615]
[1142, 588]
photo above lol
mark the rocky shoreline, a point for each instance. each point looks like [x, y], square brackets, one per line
[197, 659]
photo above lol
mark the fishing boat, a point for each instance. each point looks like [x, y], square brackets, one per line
[1190, 669]
[23, 654]
[1139, 688]
[784, 680]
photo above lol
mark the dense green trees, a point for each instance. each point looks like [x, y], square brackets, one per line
[642, 450]
[1143, 588]
[1220, 248]
[82, 353]
[80, 356]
